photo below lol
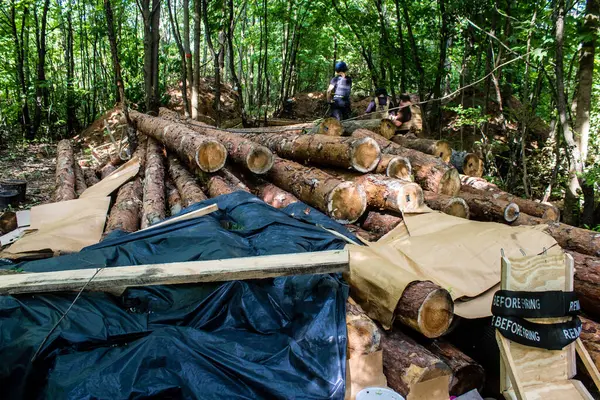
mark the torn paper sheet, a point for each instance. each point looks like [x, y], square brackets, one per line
[364, 371]
[434, 389]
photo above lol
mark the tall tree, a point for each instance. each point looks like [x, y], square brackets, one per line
[184, 60]
[196, 69]
[217, 54]
[41, 85]
[150, 10]
[236, 82]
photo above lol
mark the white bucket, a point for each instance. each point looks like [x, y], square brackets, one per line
[378, 393]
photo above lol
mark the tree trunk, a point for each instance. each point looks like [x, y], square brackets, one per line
[426, 308]
[395, 167]
[481, 186]
[488, 208]
[182, 54]
[90, 177]
[173, 197]
[359, 232]
[65, 176]
[140, 153]
[363, 334]
[41, 89]
[196, 82]
[125, 214]
[154, 185]
[186, 42]
[150, 10]
[406, 363]
[186, 183]
[218, 186]
[467, 374]
[431, 173]
[383, 127]
[80, 185]
[345, 202]
[72, 124]
[379, 223]
[568, 237]
[587, 282]
[20, 60]
[197, 150]
[455, 206]
[362, 154]
[234, 76]
[267, 192]
[590, 336]
[437, 148]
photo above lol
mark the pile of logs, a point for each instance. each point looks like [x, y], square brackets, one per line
[354, 173]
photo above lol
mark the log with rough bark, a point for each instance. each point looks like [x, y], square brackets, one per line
[426, 307]
[173, 197]
[467, 374]
[345, 202]
[109, 166]
[106, 170]
[217, 185]
[256, 158]
[154, 185]
[590, 336]
[437, 148]
[379, 223]
[125, 214]
[486, 208]
[65, 175]
[226, 174]
[581, 240]
[587, 282]
[361, 154]
[140, 153]
[189, 190]
[467, 163]
[406, 363]
[395, 167]
[363, 334]
[429, 172]
[455, 206]
[205, 152]
[330, 127]
[382, 127]
[90, 177]
[363, 234]
[269, 193]
[80, 184]
[478, 185]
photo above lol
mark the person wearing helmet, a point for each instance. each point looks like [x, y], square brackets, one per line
[380, 105]
[340, 87]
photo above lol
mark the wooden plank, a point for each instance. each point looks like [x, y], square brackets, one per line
[588, 362]
[194, 214]
[177, 273]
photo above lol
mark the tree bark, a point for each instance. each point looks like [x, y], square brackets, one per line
[267, 192]
[382, 127]
[467, 374]
[204, 152]
[242, 150]
[182, 54]
[590, 336]
[431, 173]
[41, 90]
[125, 214]
[395, 167]
[20, 60]
[363, 234]
[345, 202]
[363, 334]
[65, 176]
[587, 282]
[488, 208]
[437, 148]
[90, 177]
[196, 70]
[481, 186]
[406, 363]
[140, 153]
[150, 10]
[234, 76]
[173, 197]
[154, 185]
[80, 184]
[217, 186]
[379, 223]
[455, 206]
[71, 107]
[568, 237]
[186, 183]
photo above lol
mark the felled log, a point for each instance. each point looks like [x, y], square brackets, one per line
[109, 166]
[429, 172]
[467, 374]
[233, 179]
[217, 185]
[437, 148]
[541, 210]
[487, 208]
[587, 282]
[345, 202]
[90, 177]
[425, 307]
[173, 198]
[271, 194]
[363, 334]
[406, 363]
[395, 167]
[330, 127]
[65, 176]
[125, 214]
[590, 336]
[106, 170]
[379, 223]
[581, 240]
[382, 127]
[154, 185]
[140, 153]
[366, 235]
[205, 152]
[467, 163]
[256, 158]
[361, 154]
[80, 184]
[455, 206]
[189, 190]
[8, 222]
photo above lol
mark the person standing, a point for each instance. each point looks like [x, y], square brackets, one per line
[379, 107]
[340, 87]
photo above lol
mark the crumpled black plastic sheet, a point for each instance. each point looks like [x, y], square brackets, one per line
[272, 338]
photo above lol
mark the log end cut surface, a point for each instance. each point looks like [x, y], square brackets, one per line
[211, 156]
[365, 155]
[511, 212]
[260, 160]
[457, 207]
[331, 127]
[450, 183]
[410, 197]
[347, 202]
[443, 150]
[387, 129]
[399, 168]
[427, 308]
[473, 165]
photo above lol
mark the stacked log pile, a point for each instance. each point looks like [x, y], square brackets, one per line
[359, 178]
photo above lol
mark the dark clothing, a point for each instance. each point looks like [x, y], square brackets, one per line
[340, 107]
[405, 114]
[372, 107]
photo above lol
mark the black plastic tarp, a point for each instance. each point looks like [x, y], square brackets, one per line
[271, 338]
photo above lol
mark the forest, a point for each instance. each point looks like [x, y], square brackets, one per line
[516, 81]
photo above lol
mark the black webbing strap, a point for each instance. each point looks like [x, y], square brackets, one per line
[544, 336]
[535, 304]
